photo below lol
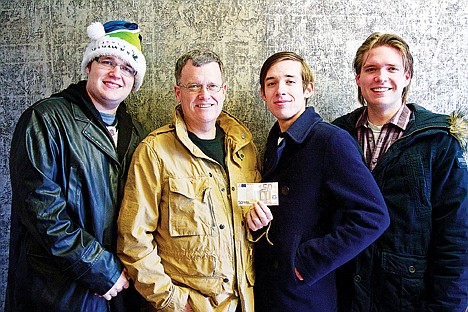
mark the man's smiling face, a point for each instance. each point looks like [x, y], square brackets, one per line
[108, 87]
[283, 92]
[201, 108]
[383, 77]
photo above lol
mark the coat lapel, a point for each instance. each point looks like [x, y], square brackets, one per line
[95, 134]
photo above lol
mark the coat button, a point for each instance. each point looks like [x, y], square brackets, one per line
[275, 264]
[285, 190]
[411, 269]
[226, 280]
[357, 278]
[221, 226]
[233, 188]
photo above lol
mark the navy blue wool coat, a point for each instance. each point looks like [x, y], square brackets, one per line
[330, 209]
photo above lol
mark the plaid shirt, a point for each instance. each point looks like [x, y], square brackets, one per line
[390, 132]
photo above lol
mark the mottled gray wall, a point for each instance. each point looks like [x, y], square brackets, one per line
[42, 42]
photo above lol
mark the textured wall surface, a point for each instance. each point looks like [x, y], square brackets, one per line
[42, 42]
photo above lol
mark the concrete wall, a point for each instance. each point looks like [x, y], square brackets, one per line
[42, 42]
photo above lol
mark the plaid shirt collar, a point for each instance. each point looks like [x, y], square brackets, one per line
[400, 119]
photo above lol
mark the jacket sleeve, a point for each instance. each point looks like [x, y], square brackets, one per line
[137, 224]
[360, 212]
[448, 251]
[38, 180]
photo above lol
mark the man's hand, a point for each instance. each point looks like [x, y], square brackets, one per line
[258, 216]
[187, 308]
[298, 275]
[121, 284]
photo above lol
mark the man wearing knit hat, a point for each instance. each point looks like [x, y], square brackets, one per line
[68, 163]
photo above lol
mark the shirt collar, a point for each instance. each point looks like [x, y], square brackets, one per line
[400, 119]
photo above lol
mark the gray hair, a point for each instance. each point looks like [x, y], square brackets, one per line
[198, 58]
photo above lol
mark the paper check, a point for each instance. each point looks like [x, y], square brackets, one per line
[249, 193]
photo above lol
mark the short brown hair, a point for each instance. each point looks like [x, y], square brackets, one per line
[306, 73]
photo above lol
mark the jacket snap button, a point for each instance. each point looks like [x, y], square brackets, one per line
[225, 279]
[357, 278]
[275, 264]
[285, 190]
[221, 226]
[411, 269]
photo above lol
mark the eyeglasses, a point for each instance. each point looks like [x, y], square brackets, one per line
[196, 87]
[109, 64]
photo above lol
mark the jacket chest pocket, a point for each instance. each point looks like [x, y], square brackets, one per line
[190, 207]
[402, 280]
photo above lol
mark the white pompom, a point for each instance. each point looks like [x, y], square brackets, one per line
[96, 31]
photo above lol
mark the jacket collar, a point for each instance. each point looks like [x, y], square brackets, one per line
[85, 111]
[77, 93]
[301, 128]
[456, 124]
[237, 135]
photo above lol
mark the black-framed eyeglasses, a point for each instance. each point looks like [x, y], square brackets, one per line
[110, 64]
[196, 87]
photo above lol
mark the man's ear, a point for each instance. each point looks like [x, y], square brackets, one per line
[308, 90]
[358, 80]
[177, 93]
[262, 93]
[407, 78]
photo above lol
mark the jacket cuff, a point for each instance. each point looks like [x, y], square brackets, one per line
[177, 301]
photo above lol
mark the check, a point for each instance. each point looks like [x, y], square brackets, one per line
[249, 193]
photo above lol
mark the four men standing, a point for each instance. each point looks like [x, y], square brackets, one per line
[186, 243]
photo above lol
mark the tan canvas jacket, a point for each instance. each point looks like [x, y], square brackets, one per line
[181, 232]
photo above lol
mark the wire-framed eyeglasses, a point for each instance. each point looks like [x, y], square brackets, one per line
[196, 87]
[110, 64]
